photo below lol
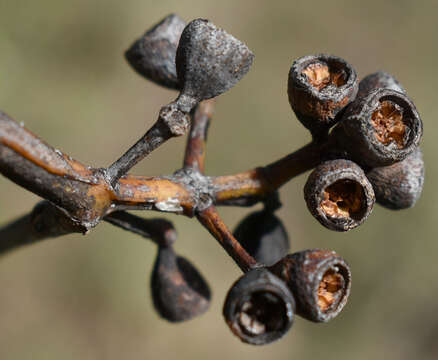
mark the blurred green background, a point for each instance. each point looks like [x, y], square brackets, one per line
[87, 297]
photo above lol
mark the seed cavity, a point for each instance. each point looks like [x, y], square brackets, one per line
[343, 199]
[264, 312]
[320, 76]
[388, 123]
[330, 289]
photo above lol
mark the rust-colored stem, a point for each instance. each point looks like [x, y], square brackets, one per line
[196, 142]
[154, 193]
[253, 185]
[211, 220]
[83, 192]
[86, 196]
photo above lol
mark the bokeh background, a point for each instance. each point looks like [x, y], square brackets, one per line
[87, 297]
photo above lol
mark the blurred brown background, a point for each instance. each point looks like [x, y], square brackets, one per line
[63, 74]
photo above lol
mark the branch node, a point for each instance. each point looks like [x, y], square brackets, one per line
[176, 121]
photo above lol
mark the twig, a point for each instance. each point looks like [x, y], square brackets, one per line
[211, 220]
[86, 196]
[251, 186]
[171, 122]
[196, 141]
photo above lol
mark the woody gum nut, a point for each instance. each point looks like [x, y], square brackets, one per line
[339, 195]
[153, 55]
[378, 80]
[259, 307]
[179, 292]
[319, 87]
[320, 281]
[380, 128]
[209, 61]
[263, 236]
[399, 186]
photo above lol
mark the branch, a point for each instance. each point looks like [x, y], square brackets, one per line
[249, 187]
[86, 196]
[83, 192]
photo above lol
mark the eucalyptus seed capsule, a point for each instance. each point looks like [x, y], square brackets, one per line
[378, 80]
[179, 292]
[339, 195]
[319, 88]
[259, 307]
[209, 61]
[320, 281]
[263, 236]
[380, 128]
[153, 55]
[399, 186]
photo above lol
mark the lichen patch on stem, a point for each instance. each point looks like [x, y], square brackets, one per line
[320, 76]
[343, 198]
[388, 123]
[330, 289]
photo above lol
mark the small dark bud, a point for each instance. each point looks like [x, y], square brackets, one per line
[380, 128]
[339, 195]
[378, 80]
[320, 281]
[263, 236]
[153, 55]
[209, 61]
[179, 292]
[399, 186]
[319, 87]
[259, 308]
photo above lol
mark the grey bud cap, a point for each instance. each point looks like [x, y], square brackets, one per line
[263, 236]
[399, 186]
[379, 80]
[153, 55]
[210, 61]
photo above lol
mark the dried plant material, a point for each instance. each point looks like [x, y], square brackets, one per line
[320, 281]
[248, 320]
[262, 313]
[329, 289]
[400, 185]
[388, 123]
[339, 195]
[320, 76]
[343, 199]
[263, 236]
[259, 308]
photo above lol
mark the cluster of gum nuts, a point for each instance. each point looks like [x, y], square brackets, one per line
[366, 134]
